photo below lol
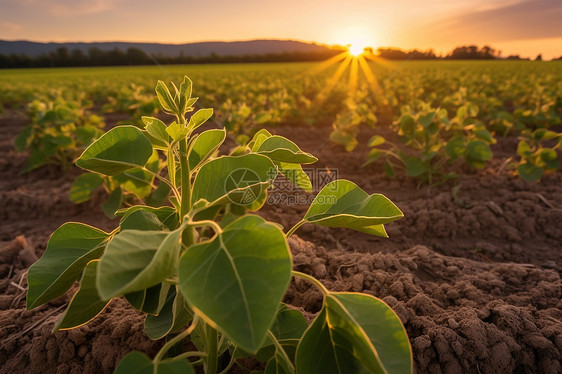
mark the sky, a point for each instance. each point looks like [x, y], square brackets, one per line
[525, 27]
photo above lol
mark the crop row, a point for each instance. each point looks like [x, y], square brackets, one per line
[441, 112]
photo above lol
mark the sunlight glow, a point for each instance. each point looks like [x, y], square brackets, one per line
[356, 49]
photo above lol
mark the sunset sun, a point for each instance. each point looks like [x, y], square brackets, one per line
[356, 49]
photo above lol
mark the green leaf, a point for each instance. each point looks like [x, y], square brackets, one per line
[86, 303]
[150, 300]
[184, 95]
[342, 204]
[258, 139]
[69, 250]
[135, 260]
[165, 98]
[250, 279]
[118, 150]
[173, 316]
[177, 131]
[233, 179]
[389, 169]
[139, 363]
[83, 187]
[166, 214]
[530, 172]
[22, 140]
[407, 125]
[484, 134]
[199, 118]
[383, 328]
[415, 167]
[142, 220]
[523, 149]
[204, 146]
[376, 141]
[354, 333]
[338, 345]
[113, 203]
[137, 181]
[295, 174]
[479, 150]
[455, 147]
[156, 128]
[288, 327]
[427, 119]
[550, 158]
[158, 196]
[278, 148]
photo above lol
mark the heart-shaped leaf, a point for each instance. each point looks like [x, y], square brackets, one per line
[69, 250]
[86, 303]
[354, 333]
[342, 204]
[135, 260]
[246, 267]
[233, 179]
[278, 148]
[118, 150]
[174, 315]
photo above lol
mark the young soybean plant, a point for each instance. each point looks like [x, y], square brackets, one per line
[203, 268]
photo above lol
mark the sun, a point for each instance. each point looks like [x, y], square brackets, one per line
[356, 49]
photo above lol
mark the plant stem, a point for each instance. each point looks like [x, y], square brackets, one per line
[185, 204]
[212, 350]
[191, 354]
[312, 280]
[295, 228]
[216, 227]
[176, 339]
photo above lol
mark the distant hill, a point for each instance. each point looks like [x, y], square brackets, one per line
[252, 47]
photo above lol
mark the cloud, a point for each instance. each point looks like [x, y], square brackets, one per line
[528, 19]
[71, 7]
[10, 26]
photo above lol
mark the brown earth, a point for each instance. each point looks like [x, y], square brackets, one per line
[476, 283]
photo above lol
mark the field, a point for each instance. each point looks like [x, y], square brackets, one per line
[467, 150]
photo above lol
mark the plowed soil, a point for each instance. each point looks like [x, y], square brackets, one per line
[474, 275]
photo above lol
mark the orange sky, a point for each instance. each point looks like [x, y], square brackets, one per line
[527, 27]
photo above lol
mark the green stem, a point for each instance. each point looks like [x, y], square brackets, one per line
[191, 354]
[212, 350]
[295, 228]
[216, 227]
[176, 339]
[185, 204]
[312, 280]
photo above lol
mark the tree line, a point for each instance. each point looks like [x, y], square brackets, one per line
[62, 57]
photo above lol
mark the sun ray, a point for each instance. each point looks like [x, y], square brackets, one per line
[334, 79]
[380, 61]
[329, 62]
[373, 83]
[353, 74]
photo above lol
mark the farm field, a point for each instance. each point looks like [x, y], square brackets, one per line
[468, 151]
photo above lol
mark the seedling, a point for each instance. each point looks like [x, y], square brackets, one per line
[205, 268]
[536, 156]
[59, 131]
